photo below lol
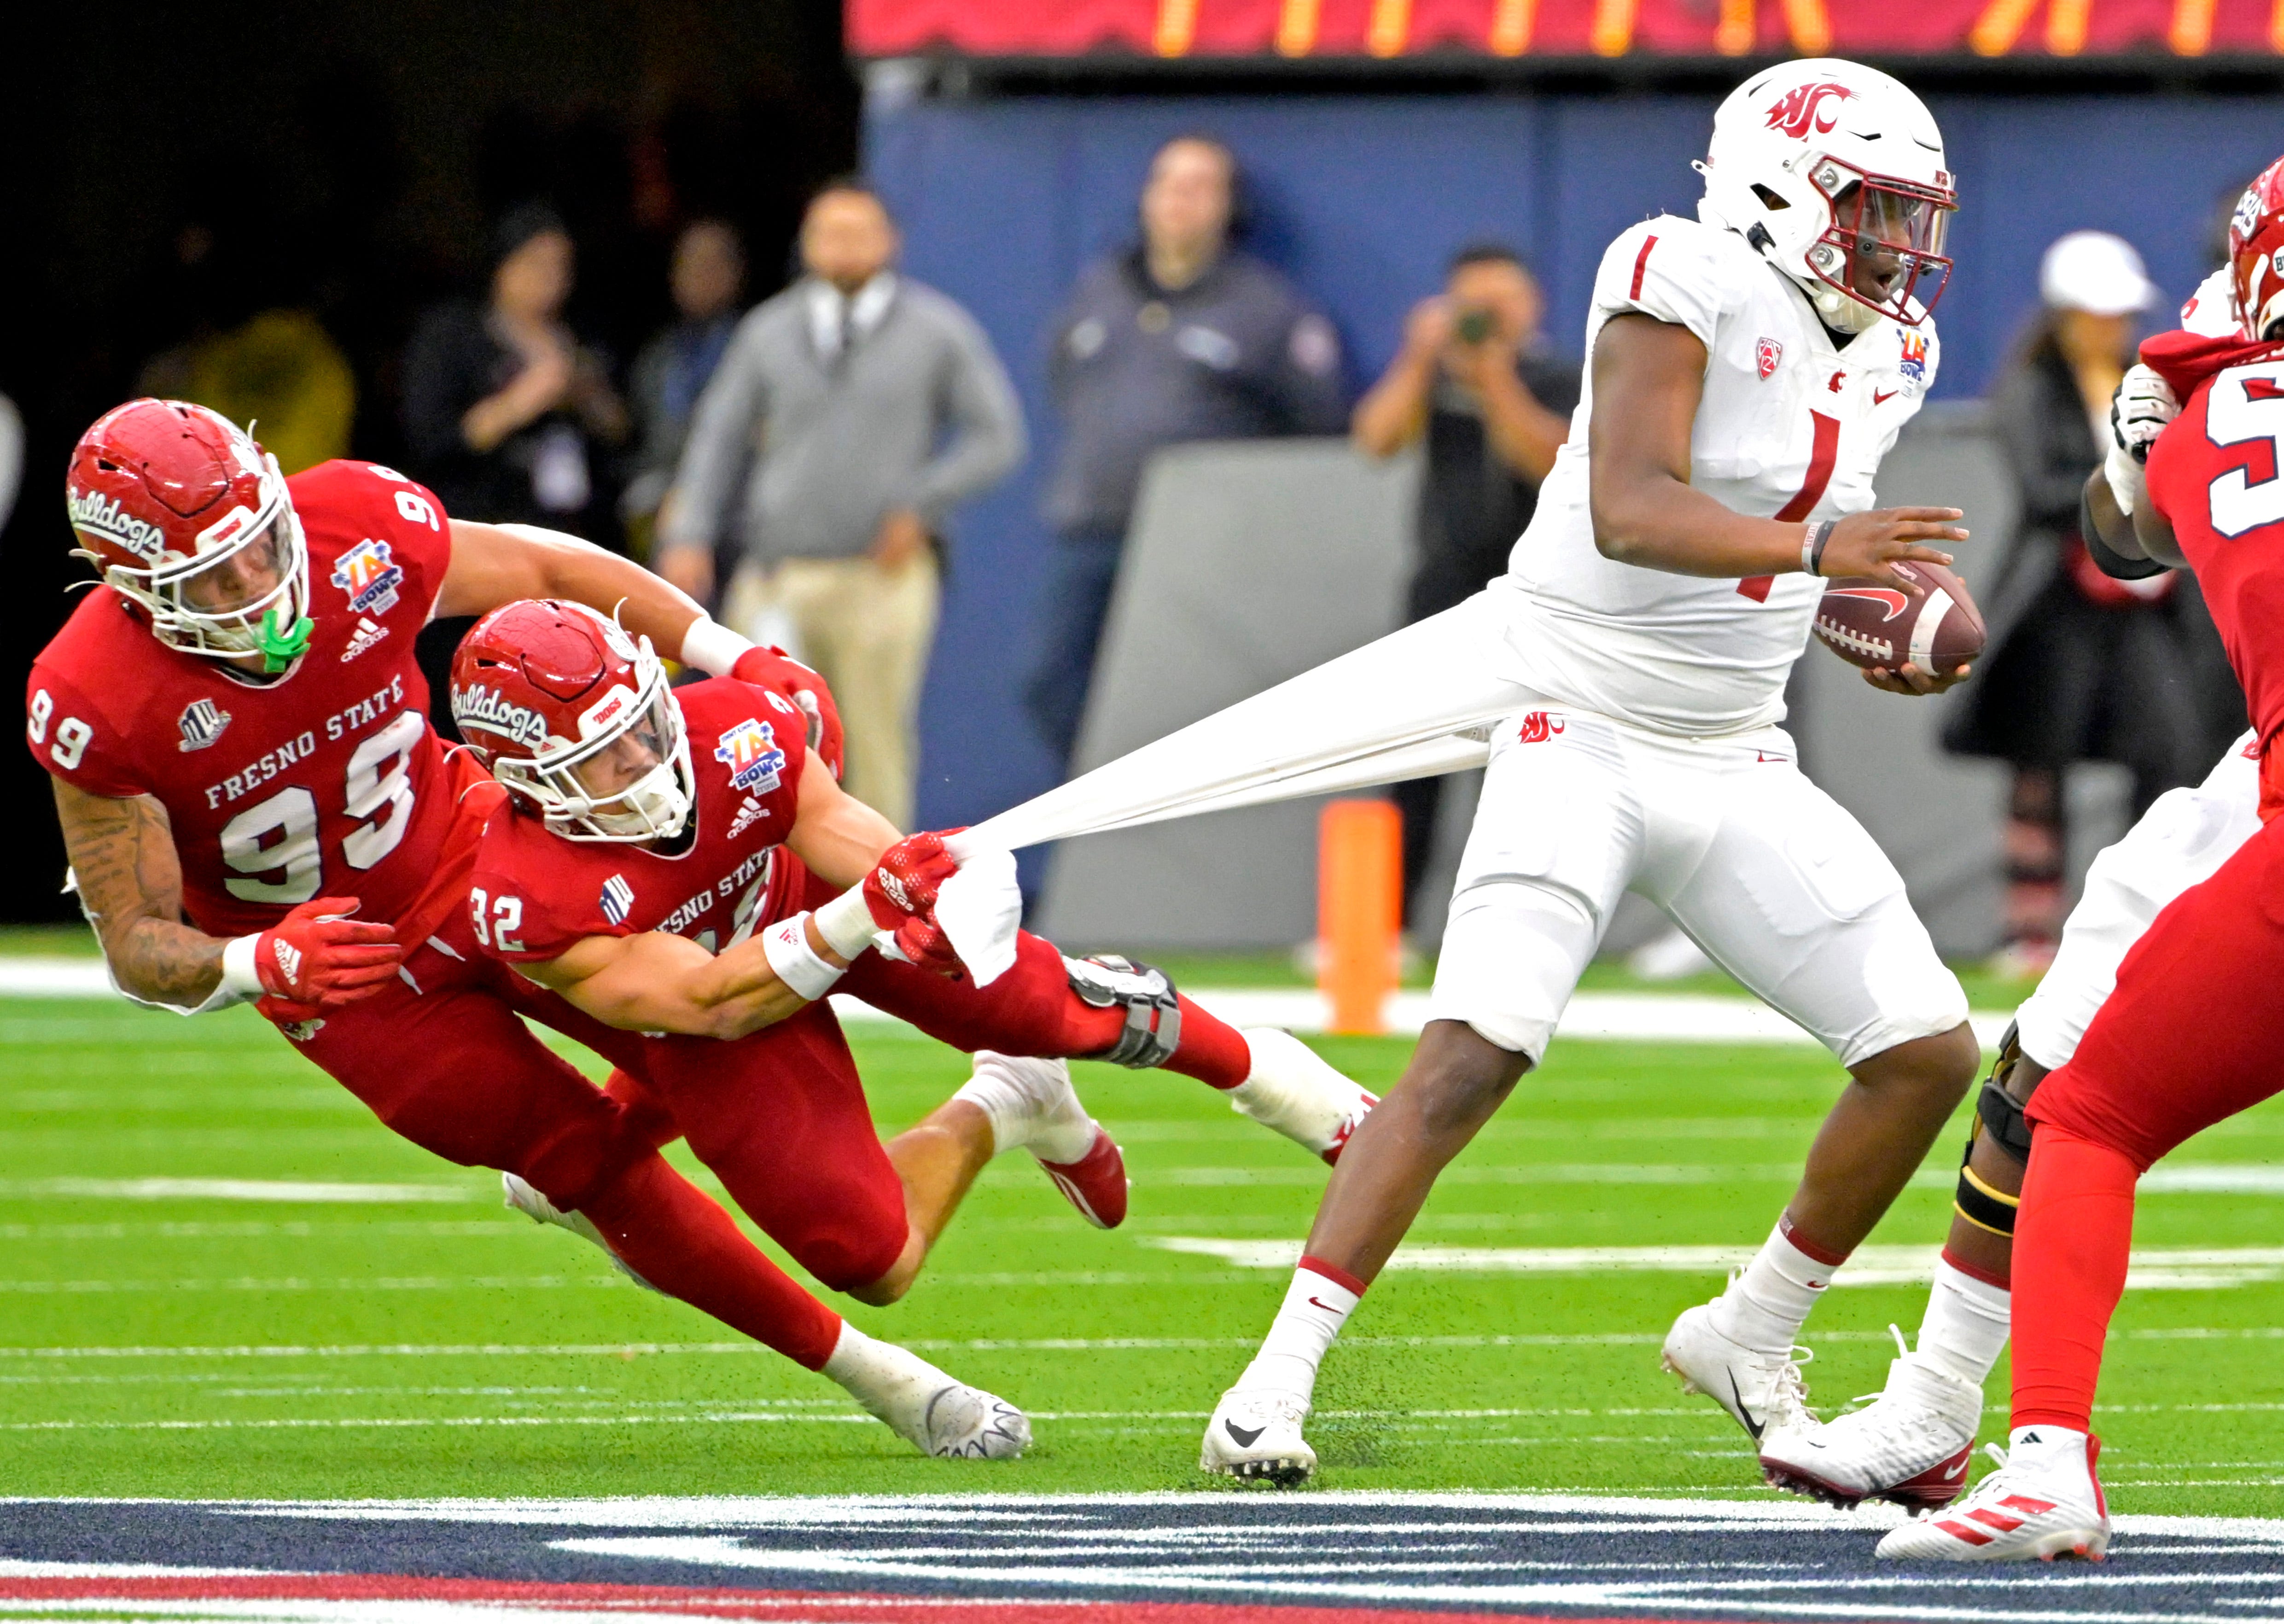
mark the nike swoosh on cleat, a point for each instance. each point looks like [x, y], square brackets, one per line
[1746, 1416]
[1245, 1439]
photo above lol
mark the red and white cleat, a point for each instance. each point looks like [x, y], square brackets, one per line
[1095, 1183]
[1911, 1445]
[2044, 1501]
[1031, 1102]
[1294, 1091]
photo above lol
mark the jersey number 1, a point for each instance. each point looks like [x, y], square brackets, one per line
[279, 835]
[1823, 451]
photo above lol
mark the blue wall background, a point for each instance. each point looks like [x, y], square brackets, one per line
[1360, 199]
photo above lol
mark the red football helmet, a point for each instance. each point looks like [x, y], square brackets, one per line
[2256, 253]
[569, 711]
[163, 494]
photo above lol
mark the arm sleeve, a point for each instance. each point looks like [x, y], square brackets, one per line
[985, 423]
[2114, 564]
[74, 739]
[721, 427]
[1666, 268]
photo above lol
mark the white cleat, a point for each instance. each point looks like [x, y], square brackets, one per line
[1762, 1392]
[1911, 1446]
[926, 1409]
[2043, 1502]
[536, 1206]
[1297, 1092]
[1031, 1102]
[1255, 1435]
[963, 1423]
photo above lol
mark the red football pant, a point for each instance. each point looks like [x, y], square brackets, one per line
[2190, 1037]
[450, 1068]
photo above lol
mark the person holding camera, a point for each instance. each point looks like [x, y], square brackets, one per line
[1474, 378]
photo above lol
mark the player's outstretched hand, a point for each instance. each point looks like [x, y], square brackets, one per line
[1910, 680]
[773, 668]
[900, 892]
[1870, 544]
[317, 958]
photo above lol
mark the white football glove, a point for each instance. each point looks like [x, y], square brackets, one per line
[2139, 410]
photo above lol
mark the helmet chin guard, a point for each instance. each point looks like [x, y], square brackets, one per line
[1835, 173]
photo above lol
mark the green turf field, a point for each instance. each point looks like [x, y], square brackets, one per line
[179, 1343]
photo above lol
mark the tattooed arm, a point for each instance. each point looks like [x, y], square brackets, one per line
[130, 883]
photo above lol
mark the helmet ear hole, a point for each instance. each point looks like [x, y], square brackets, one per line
[1769, 199]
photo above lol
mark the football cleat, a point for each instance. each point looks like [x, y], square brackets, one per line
[963, 1423]
[1031, 1102]
[2044, 1501]
[1296, 1092]
[1911, 1446]
[1255, 1436]
[536, 1206]
[1762, 1392]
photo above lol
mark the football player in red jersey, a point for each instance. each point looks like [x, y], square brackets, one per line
[2191, 1034]
[296, 837]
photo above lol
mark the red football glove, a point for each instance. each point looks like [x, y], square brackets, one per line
[316, 959]
[782, 674]
[901, 893]
[923, 943]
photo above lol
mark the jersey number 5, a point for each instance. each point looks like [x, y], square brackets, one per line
[278, 837]
[2246, 406]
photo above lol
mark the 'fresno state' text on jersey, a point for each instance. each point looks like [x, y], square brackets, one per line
[2216, 474]
[535, 895]
[1790, 426]
[324, 781]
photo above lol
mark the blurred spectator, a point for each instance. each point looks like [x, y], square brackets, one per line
[279, 373]
[503, 411]
[707, 276]
[12, 457]
[1181, 338]
[1475, 379]
[2079, 666]
[852, 413]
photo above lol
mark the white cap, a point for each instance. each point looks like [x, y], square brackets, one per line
[2094, 272]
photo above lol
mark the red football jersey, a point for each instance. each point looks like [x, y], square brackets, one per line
[536, 895]
[2217, 475]
[326, 781]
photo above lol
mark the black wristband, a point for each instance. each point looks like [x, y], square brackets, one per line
[1811, 545]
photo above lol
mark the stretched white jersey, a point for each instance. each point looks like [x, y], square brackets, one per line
[1789, 427]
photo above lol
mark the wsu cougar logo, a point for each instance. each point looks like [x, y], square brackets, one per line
[1538, 727]
[1802, 109]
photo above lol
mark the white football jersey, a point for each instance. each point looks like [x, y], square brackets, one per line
[1789, 427]
[2211, 310]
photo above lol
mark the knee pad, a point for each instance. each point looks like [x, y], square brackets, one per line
[1999, 1114]
[1154, 1012]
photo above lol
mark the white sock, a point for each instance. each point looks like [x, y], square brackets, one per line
[1965, 1330]
[2046, 1448]
[1316, 1306]
[1766, 1304]
[893, 1383]
[1029, 1102]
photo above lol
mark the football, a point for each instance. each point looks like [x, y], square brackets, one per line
[1869, 623]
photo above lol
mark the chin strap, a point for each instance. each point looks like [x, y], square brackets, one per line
[281, 645]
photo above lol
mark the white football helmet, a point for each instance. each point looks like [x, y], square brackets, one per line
[1835, 172]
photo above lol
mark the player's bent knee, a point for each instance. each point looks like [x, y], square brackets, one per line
[892, 1283]
[1460, 1076]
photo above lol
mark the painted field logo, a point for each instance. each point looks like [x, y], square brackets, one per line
[366, 574]
[1802, 109]
[1766, 356]
[750, 750]
[1538, 727]
[1913, 365]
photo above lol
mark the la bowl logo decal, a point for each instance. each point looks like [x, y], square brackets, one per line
[1802, 109]
[750, 750]
[1913, 365]
[366, 574]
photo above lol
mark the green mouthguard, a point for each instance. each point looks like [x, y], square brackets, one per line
[281, 644]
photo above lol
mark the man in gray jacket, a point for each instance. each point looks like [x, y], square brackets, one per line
[852, 412]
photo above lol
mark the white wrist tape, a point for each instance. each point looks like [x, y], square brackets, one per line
[846, 923]
[799, 965]
[711, 647]
[2128, 481]
[240, 983]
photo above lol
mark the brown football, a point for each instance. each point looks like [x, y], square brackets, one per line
[1869, 623]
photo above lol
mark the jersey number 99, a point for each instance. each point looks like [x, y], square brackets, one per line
[278, 837]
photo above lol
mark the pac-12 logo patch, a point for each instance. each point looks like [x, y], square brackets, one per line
[1914, 363]
[750, 749]
[1766, 356]
[366, 574]
[202, 723]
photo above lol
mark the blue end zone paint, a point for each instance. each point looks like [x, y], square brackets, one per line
[1543, 1555]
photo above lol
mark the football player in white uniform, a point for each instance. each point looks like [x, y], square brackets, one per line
[1920, 1429]
[1749, 369]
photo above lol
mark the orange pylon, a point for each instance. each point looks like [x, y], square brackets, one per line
[1360, 910]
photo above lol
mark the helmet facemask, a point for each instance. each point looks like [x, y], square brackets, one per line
[274, 623]
[582, 788]
[1882, 252]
